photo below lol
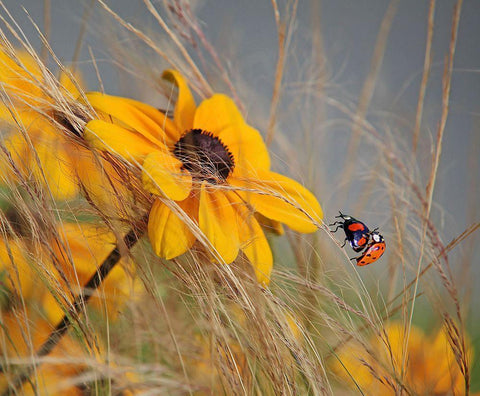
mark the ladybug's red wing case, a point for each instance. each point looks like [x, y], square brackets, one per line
[373, 252]
[356, 226]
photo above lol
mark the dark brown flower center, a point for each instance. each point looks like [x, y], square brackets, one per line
[204, 156]
[66, 122]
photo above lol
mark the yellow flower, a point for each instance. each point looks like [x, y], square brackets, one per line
[16, 272]
[29, 272]
[88, 246]
[69, 369]
[45, 153]
[430, 367]
[37, 145]
[19, 74]
[21, 334]
[212, 164]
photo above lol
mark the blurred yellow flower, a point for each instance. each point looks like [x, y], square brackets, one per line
[20, 74]
[70, 369]
[52, 278]
[16, 272]
[21, 333]
[44, 152]
[430, 369]
[212, 164]
[36, 144]
[88, 245]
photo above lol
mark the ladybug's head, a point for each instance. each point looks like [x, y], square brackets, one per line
[344, 217]
[376, 237]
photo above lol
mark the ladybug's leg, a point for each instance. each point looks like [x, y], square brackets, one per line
[344, 243]
[337, 222]
[340, 225]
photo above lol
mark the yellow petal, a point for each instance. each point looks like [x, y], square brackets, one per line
[185, 106]
[252, 240]
[54, 167]
[53, 309]
[131, 116]
[18, 157]
[15, 271]
[162, 175]
[169, 235]
[20, 76]
[247, 146]
[217, 113]
[69, 85]
[270, 225]
[44, 153]
[106, 136]
[87, 245]
[280, 198]
[218, 222]
[172, 133]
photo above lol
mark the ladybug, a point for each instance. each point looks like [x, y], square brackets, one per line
[356, 232]
[373, 251]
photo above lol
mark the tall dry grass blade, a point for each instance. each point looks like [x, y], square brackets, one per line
[426, 73]
[456, 339]
[196, 71]
[454, 243]
[81, 35]
[447, 78]
[369, 87]
[47, 27]
[183, 11]
[283, 38]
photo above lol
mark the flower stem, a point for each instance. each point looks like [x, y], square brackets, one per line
[129, 240]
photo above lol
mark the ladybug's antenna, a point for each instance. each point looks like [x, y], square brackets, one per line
[341, 215]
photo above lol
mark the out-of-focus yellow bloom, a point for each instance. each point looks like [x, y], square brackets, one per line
[43, 152]
[212, 164]
[30, 276]
[430, 369]
[20, 74]
[20, 335]
[16, 273]
[63, 371]
[26, 271]
[88, 246]
[36, 143]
